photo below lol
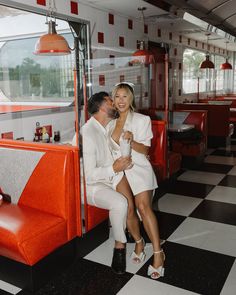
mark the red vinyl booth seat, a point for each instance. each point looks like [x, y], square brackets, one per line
[159, 154]
[94, 216]
[44, 218]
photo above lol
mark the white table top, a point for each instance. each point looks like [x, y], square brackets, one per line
[180, 127]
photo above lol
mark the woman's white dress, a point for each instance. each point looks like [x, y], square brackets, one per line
[141, 176]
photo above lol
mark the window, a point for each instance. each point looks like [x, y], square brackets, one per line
[192, 76]
[208, 80]
[27, 77]
[31, 86]
[220, 73]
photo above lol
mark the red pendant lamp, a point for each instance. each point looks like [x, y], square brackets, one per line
[52, 43]
[207, 63]
[142, 55]
[226, 65]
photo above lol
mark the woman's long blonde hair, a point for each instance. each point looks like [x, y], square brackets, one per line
[129, 90]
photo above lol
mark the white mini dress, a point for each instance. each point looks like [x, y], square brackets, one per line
[141, 176]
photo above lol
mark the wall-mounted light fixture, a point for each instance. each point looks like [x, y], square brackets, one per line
[207, 63]
[52, 43]
[226, 65]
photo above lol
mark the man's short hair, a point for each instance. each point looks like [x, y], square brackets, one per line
[95, 101]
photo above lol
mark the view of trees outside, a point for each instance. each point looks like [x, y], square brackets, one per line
[191, 72]
[208, 79]
[27, 77]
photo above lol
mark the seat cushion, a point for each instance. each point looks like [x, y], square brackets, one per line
[28, 234]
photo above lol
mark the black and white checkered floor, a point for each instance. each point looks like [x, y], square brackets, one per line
[197, 220]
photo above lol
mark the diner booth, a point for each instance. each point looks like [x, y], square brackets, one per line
[43, 105]
[42, 108]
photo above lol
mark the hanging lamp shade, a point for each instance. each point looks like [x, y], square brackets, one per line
[226, 65]
[207, 63]
[52, 43]
[142, 55]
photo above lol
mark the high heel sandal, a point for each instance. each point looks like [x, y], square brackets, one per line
[156, 273]
[141, 257]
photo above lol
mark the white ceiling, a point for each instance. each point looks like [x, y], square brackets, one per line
[163, 18]
[152, 14]
[126, 7]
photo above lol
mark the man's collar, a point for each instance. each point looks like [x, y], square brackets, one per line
[98, 124]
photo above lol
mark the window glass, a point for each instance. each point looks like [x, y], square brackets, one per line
[220, 73]
[192, 76]
[28, 77]
[37, 93]
[106, 72]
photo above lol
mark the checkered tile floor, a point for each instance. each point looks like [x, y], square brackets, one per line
[197, 220]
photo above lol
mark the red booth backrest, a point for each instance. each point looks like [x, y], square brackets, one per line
[158, 149]
[54, 175]
[218, 116]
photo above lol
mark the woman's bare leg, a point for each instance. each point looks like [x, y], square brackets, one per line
[143, 203]
[132, 217]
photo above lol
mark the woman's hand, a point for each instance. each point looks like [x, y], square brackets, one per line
[138, 147]
[128, 135]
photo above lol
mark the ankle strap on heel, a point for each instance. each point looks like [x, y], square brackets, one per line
[158, 252]
[139, 241]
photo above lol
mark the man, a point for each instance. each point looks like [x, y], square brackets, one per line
[102, 173]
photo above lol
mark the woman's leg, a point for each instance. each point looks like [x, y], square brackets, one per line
[132, 217]
[143, 203]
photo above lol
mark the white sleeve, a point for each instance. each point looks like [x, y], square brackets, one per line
[144, 132]
[94, 174]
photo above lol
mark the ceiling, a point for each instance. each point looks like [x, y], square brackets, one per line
[219, 13]
[169, 14]
[215, 16]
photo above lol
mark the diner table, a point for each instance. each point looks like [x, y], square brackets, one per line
[180, 127]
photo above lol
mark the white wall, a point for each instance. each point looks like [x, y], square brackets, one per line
[23, 124]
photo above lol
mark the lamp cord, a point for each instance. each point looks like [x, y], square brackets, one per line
[51, 10]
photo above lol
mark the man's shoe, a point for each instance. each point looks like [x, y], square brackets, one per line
[119, 261]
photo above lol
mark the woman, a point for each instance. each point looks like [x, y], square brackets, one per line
[140, 180]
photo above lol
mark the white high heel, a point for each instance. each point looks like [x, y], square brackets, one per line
[156, 273]
[141, 257]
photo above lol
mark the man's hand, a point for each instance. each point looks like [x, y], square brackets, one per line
[121, 164]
